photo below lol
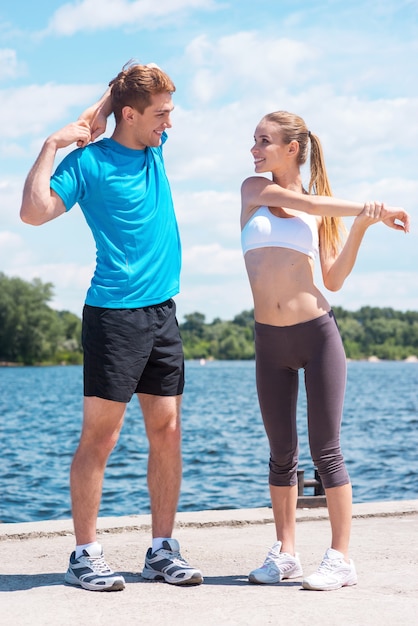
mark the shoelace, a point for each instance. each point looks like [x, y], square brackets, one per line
[326, 565]
[175, 557]
[98, 564]
[272, 556]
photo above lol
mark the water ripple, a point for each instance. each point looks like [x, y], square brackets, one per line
[225, 449]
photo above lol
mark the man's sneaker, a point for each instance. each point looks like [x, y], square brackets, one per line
[91, 572]
[333, 573]
[168, 564]
[277, 566]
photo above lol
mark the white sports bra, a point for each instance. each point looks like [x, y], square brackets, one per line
[264, 230]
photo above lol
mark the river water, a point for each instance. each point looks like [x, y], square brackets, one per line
[225, 449]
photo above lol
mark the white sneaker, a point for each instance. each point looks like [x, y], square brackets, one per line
[333, 573]
[91, 572]
[168, 564]
[277, 566]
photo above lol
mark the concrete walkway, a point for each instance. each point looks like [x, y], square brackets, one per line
[226, 545]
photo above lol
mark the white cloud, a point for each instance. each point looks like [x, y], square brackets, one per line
[227, 78]
[246, 61]
[363, 136]
[70, 281]
[93, 15]
[9, 66]
[210, 149]
[31, 110]
[225, 297]
[213, 260]
[394, 289]
[209, 215]
[399, 192]
[13, 251]
[10, 199]
[237, 79]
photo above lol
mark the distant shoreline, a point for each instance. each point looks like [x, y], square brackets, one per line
[370, 359]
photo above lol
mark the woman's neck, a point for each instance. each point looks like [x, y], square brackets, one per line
[289, 180]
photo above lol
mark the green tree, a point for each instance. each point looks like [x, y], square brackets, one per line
[195, 323]
[246, 318]
[30, 331]
[69, 349]
[386, 333]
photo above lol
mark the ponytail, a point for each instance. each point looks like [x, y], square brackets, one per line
[293, 128]
[333, 227]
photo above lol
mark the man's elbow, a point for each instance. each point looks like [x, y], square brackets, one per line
[31, 218]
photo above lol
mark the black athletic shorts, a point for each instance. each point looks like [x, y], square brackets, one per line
[129, 351]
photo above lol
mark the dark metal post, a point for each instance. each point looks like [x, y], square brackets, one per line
[319, 489]
[301, 482]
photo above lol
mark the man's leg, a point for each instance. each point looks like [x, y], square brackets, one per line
[162, 424]
[102, 423]
[87, 568]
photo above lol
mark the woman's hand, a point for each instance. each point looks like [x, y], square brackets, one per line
[374, 212]
[391, 216]
[336, 269]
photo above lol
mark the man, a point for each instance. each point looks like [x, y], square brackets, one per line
[131, 340]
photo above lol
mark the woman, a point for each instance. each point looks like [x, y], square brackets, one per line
[283, 229]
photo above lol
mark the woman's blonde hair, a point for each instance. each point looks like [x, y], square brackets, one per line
[293, 128]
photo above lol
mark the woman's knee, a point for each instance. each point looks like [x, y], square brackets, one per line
[283, 470]
[332, 470]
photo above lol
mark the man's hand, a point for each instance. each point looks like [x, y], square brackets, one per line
[78, 131]
[96, 116]
[96, 119]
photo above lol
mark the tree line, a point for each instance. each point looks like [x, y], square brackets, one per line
[31, 332]
[370, 331]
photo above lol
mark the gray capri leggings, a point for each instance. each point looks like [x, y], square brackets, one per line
[281, 351]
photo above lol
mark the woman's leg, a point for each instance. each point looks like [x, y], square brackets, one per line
[284, 501]
[339, 502]
[277, 388]
[325, 383]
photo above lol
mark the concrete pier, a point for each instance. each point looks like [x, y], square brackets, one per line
[225, 545]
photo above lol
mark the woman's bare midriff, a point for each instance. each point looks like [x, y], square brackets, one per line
[283, 287]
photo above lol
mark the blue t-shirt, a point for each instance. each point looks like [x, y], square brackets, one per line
[126, 200]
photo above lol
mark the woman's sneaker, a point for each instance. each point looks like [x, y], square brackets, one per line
[277, 566]
[91, 572]
[167, 564]
[333, 573]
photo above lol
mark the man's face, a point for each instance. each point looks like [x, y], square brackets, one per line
[147, 127]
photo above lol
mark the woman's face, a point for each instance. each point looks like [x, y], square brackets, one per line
[268, 149]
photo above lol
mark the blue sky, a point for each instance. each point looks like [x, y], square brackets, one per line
[348, 68]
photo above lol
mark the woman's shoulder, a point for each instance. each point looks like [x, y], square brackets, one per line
[255, 182]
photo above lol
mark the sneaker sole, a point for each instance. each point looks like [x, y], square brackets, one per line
[71, 579]
[253, 579]
[150, 574]
[309, 587]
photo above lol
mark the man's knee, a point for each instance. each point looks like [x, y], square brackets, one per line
[102, 423]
